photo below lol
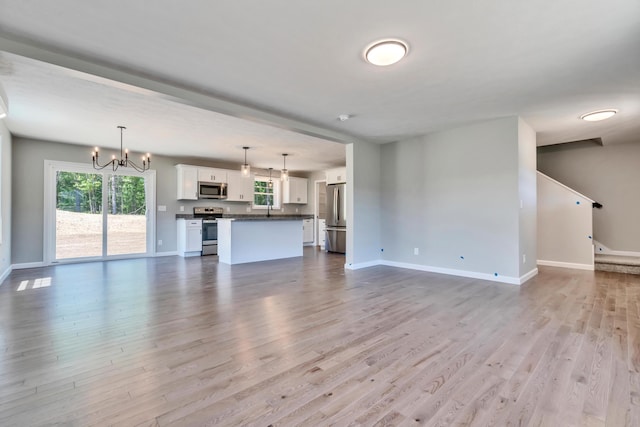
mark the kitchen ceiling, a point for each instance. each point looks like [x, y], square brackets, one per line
[202, 79]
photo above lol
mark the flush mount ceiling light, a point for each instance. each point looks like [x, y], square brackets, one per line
[124, 162]
[386, 52]
[596, 116]
[245, 169]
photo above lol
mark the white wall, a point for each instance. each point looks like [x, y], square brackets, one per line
[5, 199]
[565, 226]
[455, 196]
[528, 196]
[363, 204]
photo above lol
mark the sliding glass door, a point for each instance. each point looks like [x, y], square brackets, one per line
[78, 215]
[126, 216]
[97, 214]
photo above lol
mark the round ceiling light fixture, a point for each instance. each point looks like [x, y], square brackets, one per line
[386, 52]
[596, 116]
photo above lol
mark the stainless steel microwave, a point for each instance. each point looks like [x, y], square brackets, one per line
[212, 190]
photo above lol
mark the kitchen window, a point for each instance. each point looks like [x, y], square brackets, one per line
[264, 195]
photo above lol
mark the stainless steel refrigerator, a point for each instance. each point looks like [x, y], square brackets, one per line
[336, 218]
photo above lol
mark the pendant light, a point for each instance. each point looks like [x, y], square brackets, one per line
[245, 168]
[124, 162]
[284, 173]
[270, 184]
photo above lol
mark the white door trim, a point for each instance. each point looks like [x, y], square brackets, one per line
[49, 226]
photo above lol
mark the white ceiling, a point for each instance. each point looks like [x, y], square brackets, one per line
[297, 65]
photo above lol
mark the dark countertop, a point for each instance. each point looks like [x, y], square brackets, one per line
[254, 217]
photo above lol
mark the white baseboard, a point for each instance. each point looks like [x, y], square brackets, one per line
[359, 265]
[603, 250]
[5, 274]
[171, 253]
[452, 272]
[448, 271]
[24, 265]
[566, 265]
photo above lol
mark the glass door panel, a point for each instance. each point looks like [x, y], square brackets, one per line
[78, 215]
[126, 215]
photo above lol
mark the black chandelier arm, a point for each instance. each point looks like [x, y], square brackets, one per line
[98, 166]
[145, 165]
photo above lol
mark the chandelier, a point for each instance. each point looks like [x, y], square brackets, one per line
[115, 163]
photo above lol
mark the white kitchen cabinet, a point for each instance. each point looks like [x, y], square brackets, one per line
[322, 232]
[294, 190]
[212, 175]
[336, 176]
[307, 230]
[187, 182]
[189, 237]
[239, 187]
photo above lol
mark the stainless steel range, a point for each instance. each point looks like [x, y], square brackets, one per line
[209, 228]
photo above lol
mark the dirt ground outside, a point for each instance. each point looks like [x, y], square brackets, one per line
[80, 234]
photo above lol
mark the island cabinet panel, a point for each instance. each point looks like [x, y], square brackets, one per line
[187, 182]
[239, 187]
[294, 190]
[242, 241]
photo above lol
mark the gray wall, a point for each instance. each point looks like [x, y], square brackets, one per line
[363, 203]
[5, 197]
[527, 186]
[456, 194]
[608, 174]
[28, 193]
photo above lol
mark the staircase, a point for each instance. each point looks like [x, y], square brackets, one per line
[617, 263]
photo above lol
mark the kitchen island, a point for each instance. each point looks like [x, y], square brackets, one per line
[254, 238]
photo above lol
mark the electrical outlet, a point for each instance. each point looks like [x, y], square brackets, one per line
[297, 210]
[282, 210]
[248, 208]
[181, 208]
[162, 208]
[524, 258]
[416, 251]
[159, 242]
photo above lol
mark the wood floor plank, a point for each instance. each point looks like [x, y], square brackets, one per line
[186, 341]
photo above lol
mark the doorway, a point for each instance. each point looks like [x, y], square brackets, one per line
[97, 215]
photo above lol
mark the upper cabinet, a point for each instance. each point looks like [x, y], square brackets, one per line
[212, 175]
[337, 175]
[239, 188]
[187, 182]
[294, 190]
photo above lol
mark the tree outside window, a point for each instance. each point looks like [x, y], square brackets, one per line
[264, 195]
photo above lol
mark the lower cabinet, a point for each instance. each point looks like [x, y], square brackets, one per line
[322, 232]
[307, 230]
[189, 237]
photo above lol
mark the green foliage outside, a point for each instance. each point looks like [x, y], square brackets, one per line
[262, 193]
[82, 192]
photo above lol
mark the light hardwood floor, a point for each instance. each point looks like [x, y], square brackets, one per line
[172, 341]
